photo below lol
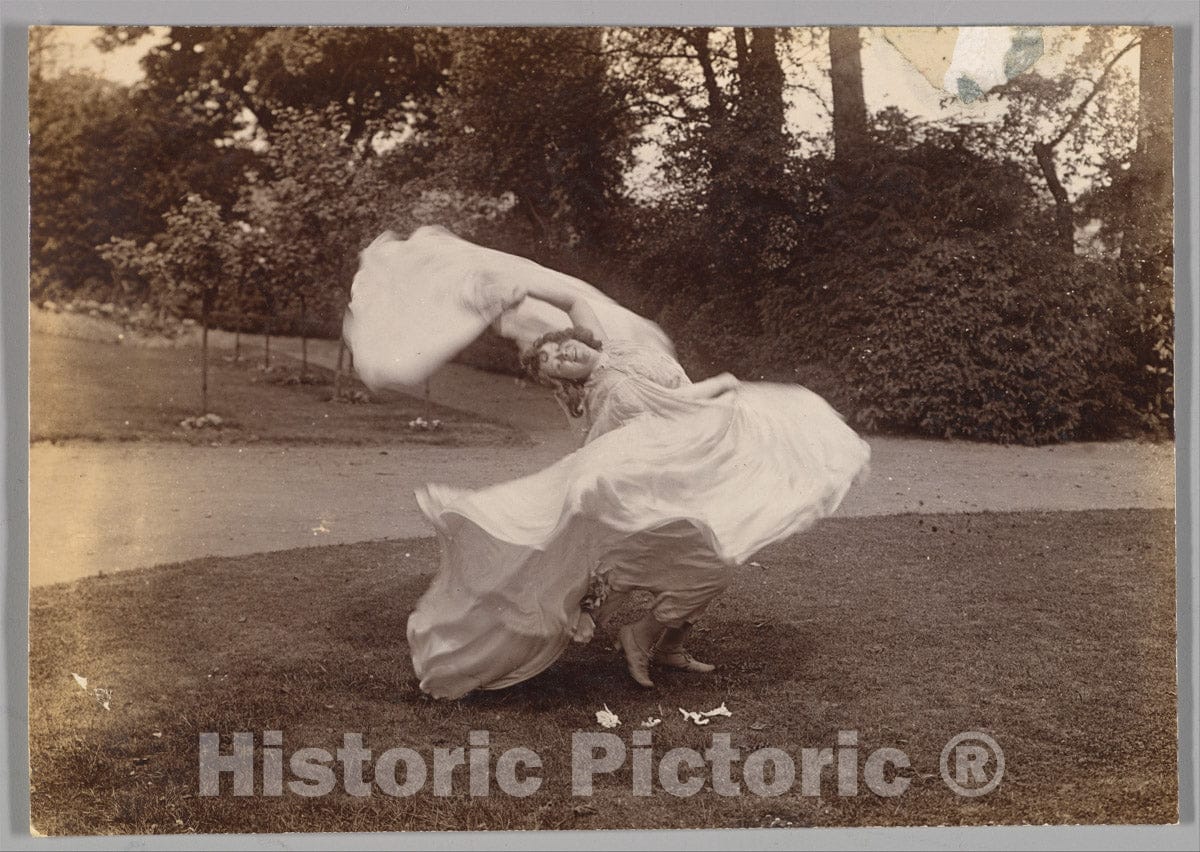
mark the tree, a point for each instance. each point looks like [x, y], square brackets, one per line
[931, 303]
[730, 222]
[187, 266]
[719, 96]
[304, 219]
[108, 161]
[1149, 225]
[196, 256]
[81, 191]
[1072, 124]
[1148, 241]
[380, 79]
[535, 113]
[849, 105]
[139, 269]
[43, 44]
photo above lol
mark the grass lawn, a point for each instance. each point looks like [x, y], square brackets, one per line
[91, 390]
[1052, 632]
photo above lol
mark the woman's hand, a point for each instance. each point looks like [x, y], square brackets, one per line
[722, 383]
[515, 296]
[711, 388]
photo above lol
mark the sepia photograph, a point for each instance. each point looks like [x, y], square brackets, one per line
[506, 428]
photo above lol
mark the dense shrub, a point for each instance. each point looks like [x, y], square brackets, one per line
[1150, 381]
[931, 299]
[969, 340]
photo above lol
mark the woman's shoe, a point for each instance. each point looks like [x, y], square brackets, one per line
[670, 651]
[637, 658]
[683, 661]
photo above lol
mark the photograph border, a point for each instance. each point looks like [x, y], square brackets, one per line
[16, 16]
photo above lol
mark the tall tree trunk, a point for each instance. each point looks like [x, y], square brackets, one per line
[1064, 210]
[697, 39]
[1151, 213]
[761, 102]
[763, 77]
[1148, 243]
[849, 105]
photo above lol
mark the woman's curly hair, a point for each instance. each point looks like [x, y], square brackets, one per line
[568, 392]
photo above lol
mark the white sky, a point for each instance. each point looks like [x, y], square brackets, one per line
[76, 52]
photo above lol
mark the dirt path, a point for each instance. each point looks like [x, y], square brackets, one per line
[107, 507]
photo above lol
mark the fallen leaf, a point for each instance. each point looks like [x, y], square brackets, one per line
[607, 718]
[693, 717]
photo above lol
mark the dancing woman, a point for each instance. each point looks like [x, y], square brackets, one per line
[676, 484]
[594, 378]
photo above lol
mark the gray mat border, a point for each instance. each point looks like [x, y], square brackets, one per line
[15, 16]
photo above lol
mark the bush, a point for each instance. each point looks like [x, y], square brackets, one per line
[978, 339]
[1151, 379]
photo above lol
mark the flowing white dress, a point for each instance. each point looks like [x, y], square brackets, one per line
[665, 492]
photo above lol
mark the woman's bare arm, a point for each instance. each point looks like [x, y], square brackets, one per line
[566, 299]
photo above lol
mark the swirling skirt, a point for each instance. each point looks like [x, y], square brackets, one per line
[679, 490]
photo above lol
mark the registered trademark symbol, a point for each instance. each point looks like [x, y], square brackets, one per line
[972, 764]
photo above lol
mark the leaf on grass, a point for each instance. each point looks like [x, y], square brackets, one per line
[692, 716]
[652, 722]
[607, 718]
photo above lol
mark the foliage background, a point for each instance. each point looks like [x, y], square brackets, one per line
[1005, 278]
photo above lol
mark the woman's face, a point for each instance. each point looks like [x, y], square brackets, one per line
[570, 359]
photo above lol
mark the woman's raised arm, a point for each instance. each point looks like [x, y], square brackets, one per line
[564, 298]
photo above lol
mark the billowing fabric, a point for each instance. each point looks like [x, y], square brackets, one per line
[417, 303]
[667, 495]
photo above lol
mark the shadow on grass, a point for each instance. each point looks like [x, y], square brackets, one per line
[1053, 632]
